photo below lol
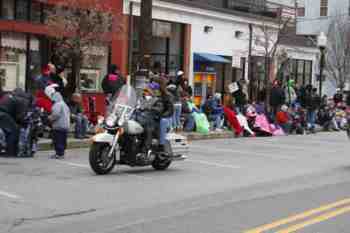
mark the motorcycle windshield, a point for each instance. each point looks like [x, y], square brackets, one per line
[126, 98]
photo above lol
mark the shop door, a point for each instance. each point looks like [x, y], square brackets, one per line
[204, 84]
[9, 75]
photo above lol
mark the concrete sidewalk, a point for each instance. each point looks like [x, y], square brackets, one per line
[45, 144]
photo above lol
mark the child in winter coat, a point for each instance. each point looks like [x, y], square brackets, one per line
[60, 119]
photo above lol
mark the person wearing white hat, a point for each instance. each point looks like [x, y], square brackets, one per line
[50, 90]
[180, 73]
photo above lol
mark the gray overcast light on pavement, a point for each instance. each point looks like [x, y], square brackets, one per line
[229, 185]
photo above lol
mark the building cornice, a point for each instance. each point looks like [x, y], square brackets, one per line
[206, 11]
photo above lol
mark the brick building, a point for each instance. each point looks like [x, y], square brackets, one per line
[25, 44]
[208, 39]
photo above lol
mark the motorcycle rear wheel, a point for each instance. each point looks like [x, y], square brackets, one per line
[98, 158]
[161, 165]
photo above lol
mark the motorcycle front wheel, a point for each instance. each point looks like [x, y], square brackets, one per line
[100, 163]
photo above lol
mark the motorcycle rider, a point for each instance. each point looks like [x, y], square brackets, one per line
[146, 118]
[13, 109]
[164, 106]
[156, 114]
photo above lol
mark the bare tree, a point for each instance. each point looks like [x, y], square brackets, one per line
[80, 31]
[268, 40]
[338, 50]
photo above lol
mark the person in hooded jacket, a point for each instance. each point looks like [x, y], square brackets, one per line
[60, 119]
[13, 109]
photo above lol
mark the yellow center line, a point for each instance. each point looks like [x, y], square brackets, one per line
[318, 219]
[298, 216]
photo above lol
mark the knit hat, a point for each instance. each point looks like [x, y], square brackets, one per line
[50, 90]
[45, 70]
[284, 108]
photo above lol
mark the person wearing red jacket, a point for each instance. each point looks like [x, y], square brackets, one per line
[283, 119]
[233, 121]
[44, 102]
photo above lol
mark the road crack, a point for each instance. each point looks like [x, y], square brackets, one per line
[21, 221]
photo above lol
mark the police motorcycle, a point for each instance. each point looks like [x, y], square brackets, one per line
[121, 141]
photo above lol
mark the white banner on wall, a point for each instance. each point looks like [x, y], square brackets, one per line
[236, 58]
[233, 87]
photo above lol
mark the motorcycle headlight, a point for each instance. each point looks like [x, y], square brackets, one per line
[110, 121]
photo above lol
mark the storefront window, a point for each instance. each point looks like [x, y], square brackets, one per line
[167, 46]
[34, 62]
[22, 9]
[308, 72]
[300, 71]
[94, 68]
[300, 77]
[13, 60]
[8, 9]
[36, 11]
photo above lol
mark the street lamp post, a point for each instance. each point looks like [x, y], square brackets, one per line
[322, 44]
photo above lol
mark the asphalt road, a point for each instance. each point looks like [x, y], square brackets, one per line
[248, 185]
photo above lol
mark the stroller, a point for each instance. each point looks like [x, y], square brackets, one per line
[30, 132]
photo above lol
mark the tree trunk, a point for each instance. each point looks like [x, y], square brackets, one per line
[74, 79]
[146, 33]
[77, 68]
[267, 82]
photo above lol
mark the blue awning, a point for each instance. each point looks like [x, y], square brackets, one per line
[208, 57]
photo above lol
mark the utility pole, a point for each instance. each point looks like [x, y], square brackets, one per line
[131, 37]
[146, 33]
[250, 66]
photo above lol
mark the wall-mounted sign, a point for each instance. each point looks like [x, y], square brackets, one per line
[233, 87]
[162, 29]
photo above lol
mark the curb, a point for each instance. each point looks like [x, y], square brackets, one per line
[76, 144]
[83, 144]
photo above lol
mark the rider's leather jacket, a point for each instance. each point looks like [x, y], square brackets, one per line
[164, 106]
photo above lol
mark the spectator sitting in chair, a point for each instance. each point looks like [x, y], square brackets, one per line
[214, 111]
[78, 117]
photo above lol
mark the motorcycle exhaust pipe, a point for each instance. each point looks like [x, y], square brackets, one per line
[179, 158]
